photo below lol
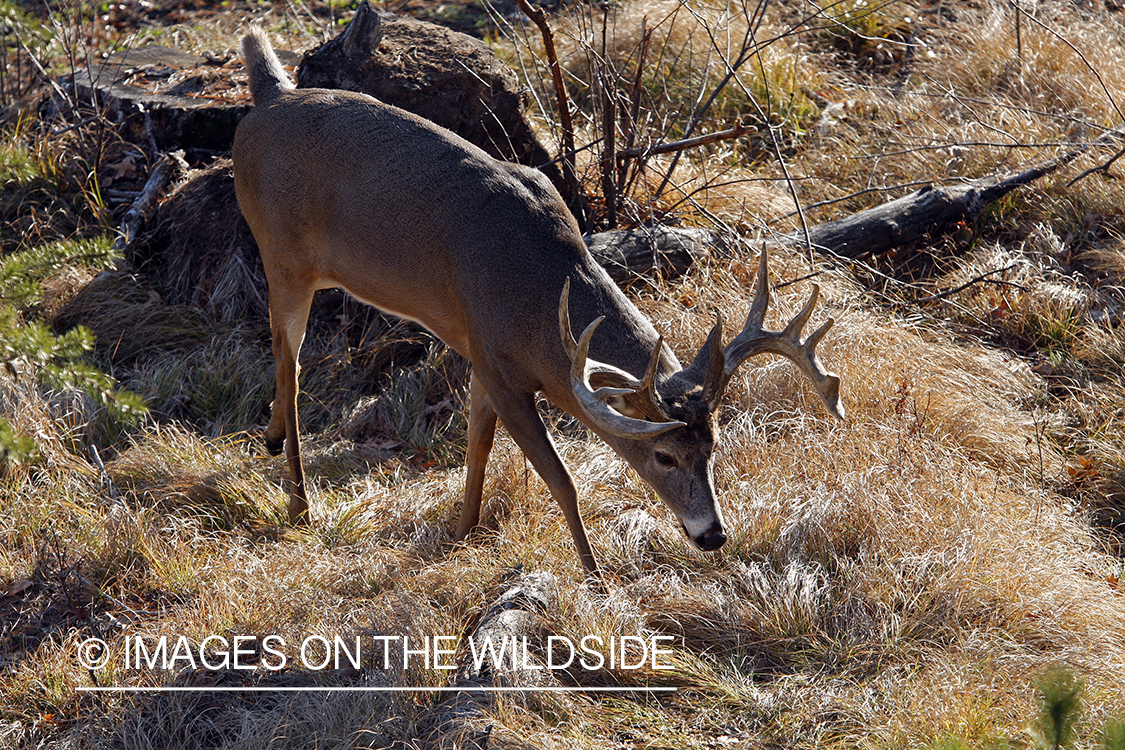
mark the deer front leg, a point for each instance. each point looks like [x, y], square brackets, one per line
[289, 313]
[520, 417]
[482, 431]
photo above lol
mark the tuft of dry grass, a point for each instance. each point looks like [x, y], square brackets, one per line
[903, 579]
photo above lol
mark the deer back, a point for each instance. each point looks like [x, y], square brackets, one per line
[343, 190]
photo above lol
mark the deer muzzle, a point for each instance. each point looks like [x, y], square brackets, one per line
[710, 540]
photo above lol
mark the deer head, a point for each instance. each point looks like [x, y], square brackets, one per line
[664, 423]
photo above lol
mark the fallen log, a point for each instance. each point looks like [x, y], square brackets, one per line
[166, 170]
[461, 720]
[927, 211]
[656, 251]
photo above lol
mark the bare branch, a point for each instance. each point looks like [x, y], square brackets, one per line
[1082, 57]
[700, 140]
[856, 194]
[1102, 168]
[977, 280]
[963, 144]
[539, 18]
[634, 105]
[749, 47]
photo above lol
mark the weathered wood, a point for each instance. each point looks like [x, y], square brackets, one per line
[456, 721]
[163, 98]
[662, 251]
[911, 218]
[166, 170]
[927, 211]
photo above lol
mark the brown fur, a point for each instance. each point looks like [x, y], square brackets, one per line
[342, 190]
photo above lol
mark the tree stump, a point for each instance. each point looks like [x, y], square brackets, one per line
[447, 77]
[163, 99]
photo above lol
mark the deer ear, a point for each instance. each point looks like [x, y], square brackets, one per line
[623, 405]
[637, 405]
[707, 369]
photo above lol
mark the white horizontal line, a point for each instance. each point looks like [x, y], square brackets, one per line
[279, 689]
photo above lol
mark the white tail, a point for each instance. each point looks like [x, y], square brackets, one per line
[341, 190]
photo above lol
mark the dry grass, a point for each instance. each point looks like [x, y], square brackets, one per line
[903, 579]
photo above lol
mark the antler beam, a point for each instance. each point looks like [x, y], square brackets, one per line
[755, 339]
[596, 403]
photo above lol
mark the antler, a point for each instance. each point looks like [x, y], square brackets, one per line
[595, 403]
[754, 339]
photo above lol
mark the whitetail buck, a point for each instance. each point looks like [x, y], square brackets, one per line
[341, 190]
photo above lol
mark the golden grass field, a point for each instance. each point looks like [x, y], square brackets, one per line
[942, 569]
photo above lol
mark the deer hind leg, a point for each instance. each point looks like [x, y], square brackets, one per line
[520, 417]
[482, 431]
[289, 314]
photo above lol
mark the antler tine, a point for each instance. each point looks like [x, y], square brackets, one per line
[709, 365]
[564, 320]
[815, 337]
[647, 388]
[795, 326]
[755, 339]
[757, 316]
[648, 382]
[595, 403]
[614, 374]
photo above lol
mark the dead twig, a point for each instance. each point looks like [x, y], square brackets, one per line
[161, 175]
[849, 196]
[1102, 168]
[608, 84]
[700, 140]
[609, 157]
[749, 47]
[539, 18]
[39, 68]
[634, 108]
[806, 277]
[1082, 57]
[976, 280]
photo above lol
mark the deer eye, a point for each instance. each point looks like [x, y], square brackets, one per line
[664, 459]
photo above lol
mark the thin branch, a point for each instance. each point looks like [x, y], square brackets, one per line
[634, 106]
[1102, 168]
[713, 183]
[1002, 187]
[1082, 57]
[700, 140]
[539, 18]
[39, 68]
[950, 94]
[806, 277]
[856, 194]
[964, 144]
[608, 84]
[745, 53]
[781, 157]
[977, 280]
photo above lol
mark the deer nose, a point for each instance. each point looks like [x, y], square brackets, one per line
[712, 540]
